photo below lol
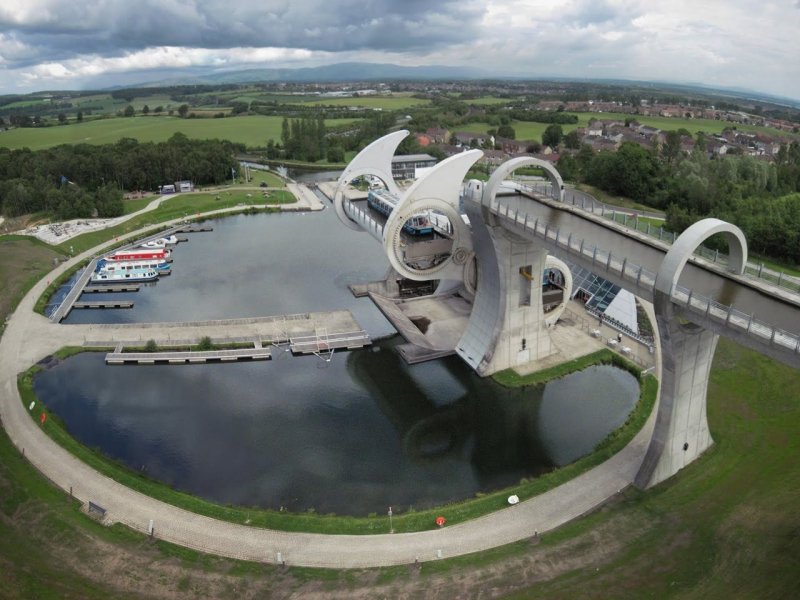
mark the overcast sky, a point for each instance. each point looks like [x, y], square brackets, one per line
[77, 44]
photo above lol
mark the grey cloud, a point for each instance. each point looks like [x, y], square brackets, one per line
[64, 31]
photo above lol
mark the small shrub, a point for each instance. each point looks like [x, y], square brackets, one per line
[151, 346]
[205, 344]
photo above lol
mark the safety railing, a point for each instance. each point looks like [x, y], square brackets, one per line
[632, 220]
[364, 218]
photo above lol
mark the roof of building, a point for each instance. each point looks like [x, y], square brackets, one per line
[412, 158]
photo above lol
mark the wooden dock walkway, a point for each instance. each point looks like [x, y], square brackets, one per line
[104, 304]
[100, 289]
[187, 357]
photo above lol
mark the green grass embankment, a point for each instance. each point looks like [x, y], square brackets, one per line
[334, 524]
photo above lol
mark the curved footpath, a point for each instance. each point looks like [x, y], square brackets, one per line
[29, 337]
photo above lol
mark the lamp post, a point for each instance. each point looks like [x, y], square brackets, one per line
[391, 528]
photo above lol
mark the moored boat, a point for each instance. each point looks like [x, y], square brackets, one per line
[161, 242]
[139, 254]
[159, 264]
[124, 276]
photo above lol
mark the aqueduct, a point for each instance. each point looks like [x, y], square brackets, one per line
[497, 258]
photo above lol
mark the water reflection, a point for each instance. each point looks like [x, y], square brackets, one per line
[365, 433]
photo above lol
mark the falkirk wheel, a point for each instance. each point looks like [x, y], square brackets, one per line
[506, 277]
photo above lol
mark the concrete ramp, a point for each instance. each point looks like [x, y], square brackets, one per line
[432, 325]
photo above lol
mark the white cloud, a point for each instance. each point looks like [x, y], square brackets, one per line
[745, 43]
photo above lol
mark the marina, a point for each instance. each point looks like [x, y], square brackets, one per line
[142, 263]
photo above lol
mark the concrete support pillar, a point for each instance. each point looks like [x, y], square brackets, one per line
[524, 336]
[681, 432]
[507, 326]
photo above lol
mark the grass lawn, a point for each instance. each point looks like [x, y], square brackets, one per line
[23, 261]
[257, 177]
[253, 131]
[131, 206]
[772, 264]
[620, 201]
[488, 100]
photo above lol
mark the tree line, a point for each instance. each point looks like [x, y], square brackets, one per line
[84, 180]
[760, 197]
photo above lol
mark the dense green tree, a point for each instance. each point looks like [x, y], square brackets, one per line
[129, 111]
[552, 135]
[506, 131]
[572, 141]
[145, 110]
[335, 154]
[62, 118]
[79, 117]
[183, 109]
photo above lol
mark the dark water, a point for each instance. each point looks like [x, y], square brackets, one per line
[352, 436]
[358, 436]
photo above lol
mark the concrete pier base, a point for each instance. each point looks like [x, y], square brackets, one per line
[507, 327]
[681, 431]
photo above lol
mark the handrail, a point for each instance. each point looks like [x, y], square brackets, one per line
[630, 219]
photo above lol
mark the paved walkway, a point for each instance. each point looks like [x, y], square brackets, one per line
[30, 337]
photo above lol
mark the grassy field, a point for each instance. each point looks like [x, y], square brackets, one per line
[396, 102]
[253, 131]
[524, 130]
[488, 100]
[23, 262]
[620, 201]
[131, 206]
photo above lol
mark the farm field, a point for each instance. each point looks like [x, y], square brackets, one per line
[525, 130]
[252, 131]
[395, 102]
[488, 100]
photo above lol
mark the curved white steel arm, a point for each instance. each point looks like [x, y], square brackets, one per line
[504, 170]
[688, 242]
[375, 159]
[437, 190]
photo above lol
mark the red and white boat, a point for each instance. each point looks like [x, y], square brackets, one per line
[139, 254]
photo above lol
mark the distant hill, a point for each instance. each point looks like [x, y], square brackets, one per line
[328, 73]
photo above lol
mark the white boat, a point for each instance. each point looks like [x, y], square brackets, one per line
[124, 276]
[161, 242]
[159, 264]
